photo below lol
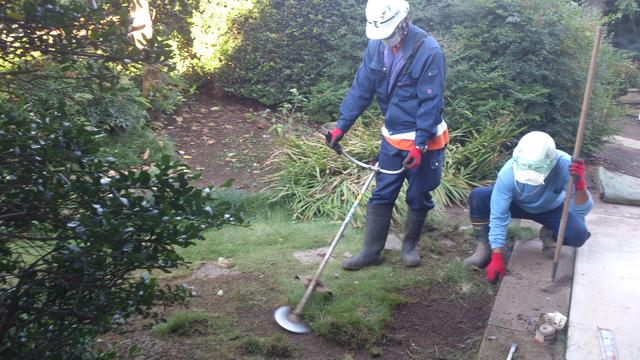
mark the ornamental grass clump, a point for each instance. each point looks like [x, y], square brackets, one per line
[315, 182]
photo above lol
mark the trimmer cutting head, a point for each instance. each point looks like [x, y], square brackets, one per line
[290, 321]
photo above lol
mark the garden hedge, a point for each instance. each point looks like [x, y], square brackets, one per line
[527, 60]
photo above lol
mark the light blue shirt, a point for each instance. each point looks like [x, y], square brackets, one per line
[532, 199]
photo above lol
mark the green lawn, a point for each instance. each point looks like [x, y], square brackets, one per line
[363, 301]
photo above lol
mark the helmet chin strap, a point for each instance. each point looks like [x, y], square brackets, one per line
[400, 31]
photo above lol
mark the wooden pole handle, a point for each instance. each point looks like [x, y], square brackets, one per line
[578, 146]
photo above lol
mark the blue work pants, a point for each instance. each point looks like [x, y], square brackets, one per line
[422, 179]
[576, 233]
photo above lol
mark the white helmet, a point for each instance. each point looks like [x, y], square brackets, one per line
[534, 157]
[383, 16]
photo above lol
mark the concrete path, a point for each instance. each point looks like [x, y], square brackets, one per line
[606, 288]
[520, 302]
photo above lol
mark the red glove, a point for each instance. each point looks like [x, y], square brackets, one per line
[576, 169]
[496, 268]
[413, 159]
[333, 137]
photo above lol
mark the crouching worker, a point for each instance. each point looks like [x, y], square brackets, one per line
[531, 185]
[404, 68]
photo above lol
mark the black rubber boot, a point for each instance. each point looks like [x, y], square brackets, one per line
[375, 235]
[482, 255]
[412, 230]
[548, 238]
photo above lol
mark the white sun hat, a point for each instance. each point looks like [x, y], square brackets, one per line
[383, 16]
[534, 157]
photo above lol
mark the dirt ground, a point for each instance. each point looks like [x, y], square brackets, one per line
[432, 325]
[226, 138]
[223, 138]
[619, 158]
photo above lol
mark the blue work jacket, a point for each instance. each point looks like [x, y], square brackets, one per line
[532, 199]
[418, 101]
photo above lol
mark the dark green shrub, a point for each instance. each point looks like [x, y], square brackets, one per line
[76, 233]
[91, 90]
[79, 233]
[506, 58]
[261, 49]
[623, 21]
[528, 59]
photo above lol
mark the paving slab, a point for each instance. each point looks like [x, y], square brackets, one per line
[634, 144]
[521, 300]
[606, 288]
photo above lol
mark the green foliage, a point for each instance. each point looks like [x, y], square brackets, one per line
[623, 22]
[172, 24]
[91, 90]
[65, 30]
[183, 323]
[136, 147]
[527, 60]
[171, 91]
[272, 346]
[506, 58]
[78, 53]
[325, 99]
[75, 230]
[473, 158]
[260, 49]
[289, 113]
[80, 233]
[313, 181]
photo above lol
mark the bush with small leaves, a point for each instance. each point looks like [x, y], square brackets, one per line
[80, 236]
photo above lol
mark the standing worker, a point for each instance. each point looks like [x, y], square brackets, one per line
[404, 68]
[531, 185]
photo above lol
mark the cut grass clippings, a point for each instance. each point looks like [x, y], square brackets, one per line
[184, 323]
[137, 147]
[272, 346]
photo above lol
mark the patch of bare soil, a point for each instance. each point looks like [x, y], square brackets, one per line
[223, 138]
[435, 325]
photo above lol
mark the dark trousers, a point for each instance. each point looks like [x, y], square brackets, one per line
[576, 232]
[422, 179]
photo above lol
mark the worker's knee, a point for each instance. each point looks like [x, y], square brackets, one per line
[577, 234]
[480, 203]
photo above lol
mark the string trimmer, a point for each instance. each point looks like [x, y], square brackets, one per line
[291, 320]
